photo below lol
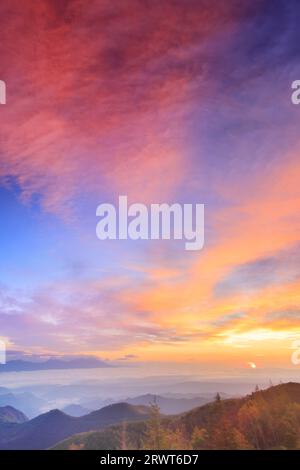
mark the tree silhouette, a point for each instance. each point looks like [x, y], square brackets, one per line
[155, 438]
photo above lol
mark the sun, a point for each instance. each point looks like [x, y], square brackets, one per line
[252, 365]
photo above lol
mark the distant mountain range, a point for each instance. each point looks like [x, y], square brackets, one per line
[19, 365]
[267, 419]
[49, 428]
[8, 414]
[76, 410]
[32, 405]
[26, 401]
[168, 405]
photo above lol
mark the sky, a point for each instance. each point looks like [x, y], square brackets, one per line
[164, 102]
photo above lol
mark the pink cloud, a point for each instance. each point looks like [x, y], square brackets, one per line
[106, 112]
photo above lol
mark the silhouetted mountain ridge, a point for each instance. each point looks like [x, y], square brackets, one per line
[169, 405]
[19, 365]
[25, 401]
[51, 427]
[265, 419]
[76, 410]
[8, 414]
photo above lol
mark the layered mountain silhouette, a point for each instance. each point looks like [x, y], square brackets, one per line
[8, 414]
[29, 403]
[76, 410]
[267, 419]
[169, 405]
[49, 428]
[19, 365]
[264, 419]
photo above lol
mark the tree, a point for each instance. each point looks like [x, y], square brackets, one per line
[288, 426]
[155, 437]
[176, 439]
[199, 438]
[218, 397]
[227, 437]
[123, 440]
[248, 420]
